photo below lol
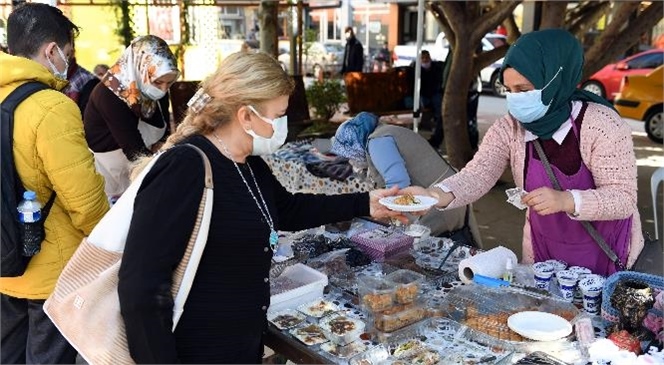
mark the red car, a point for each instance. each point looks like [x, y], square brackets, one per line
[606, 82]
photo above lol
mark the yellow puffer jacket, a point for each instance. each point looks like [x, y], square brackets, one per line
[50, 154]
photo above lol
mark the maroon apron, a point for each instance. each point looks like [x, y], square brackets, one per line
[557, 236]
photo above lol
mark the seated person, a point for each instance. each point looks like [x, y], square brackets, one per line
[394, 155]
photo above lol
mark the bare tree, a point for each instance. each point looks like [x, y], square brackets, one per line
[465, 23]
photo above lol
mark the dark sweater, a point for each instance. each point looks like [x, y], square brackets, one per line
[110, 124]
[225, 313]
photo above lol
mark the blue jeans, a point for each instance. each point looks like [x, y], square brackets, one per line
[29, 336]
[435, 102]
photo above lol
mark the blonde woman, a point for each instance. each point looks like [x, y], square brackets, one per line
[236, 116]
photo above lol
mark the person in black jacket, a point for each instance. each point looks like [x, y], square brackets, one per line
[353, 54]
[238, 115]
[431, 94]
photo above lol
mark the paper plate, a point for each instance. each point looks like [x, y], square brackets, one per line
[424, 203]
[539, 326]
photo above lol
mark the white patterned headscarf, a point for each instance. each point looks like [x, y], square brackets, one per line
[146, 59]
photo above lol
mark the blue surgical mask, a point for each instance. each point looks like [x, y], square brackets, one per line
[527, 106]
[267, 146]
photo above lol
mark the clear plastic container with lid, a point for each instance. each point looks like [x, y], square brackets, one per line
[342, 329]
[375, 292]
[399, 317]
[407, 285]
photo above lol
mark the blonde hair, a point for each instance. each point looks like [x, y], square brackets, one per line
[242, 78]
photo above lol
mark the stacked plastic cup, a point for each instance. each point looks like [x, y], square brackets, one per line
[543, 272]
[591, 288]
[567, 281]
[582, 272]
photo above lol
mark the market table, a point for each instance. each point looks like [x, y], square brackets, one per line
[440, 282]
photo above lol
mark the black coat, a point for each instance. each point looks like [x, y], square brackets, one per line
[353, 56]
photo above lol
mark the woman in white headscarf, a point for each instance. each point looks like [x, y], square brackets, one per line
[127, 115]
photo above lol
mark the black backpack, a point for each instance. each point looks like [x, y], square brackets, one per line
[13, 262]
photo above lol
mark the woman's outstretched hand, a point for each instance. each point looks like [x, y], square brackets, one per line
[379, 211]
[547, 201]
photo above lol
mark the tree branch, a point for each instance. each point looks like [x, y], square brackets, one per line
[582, 23]
[615, 40]
[490, 20]
[513, 32]
[485, 59]
[454, 14]
[442, 21]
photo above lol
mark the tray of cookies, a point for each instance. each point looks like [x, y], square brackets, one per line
[485, 312]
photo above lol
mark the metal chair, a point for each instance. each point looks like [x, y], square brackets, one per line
[655, 179]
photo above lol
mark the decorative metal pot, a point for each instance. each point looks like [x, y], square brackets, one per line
[632, 299]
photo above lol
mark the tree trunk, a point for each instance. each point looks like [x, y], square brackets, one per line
[269, 18]
[455, 120]
[615, 40]
[553, 14]
[464, 25]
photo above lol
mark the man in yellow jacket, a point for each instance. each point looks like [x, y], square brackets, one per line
[50, 154]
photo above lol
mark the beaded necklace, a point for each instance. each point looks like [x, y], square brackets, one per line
[274, 238]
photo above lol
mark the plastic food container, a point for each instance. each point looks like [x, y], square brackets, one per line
[407, 284]
[372, 356]
[381, 243]
[343, 352]
[342, 329]
[375, 292]
[398, 317]
[286, 319]
[318, 308]
[310, 286]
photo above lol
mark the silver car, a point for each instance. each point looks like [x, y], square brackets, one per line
[317, 58]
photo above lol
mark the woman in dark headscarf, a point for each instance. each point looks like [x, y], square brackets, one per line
[586, 142]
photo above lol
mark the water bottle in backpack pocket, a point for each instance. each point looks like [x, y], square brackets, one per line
[32, 225]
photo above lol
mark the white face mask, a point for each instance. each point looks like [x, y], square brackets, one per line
[61, 75]
[267, 146]
[153, 92]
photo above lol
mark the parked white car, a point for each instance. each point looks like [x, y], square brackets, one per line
[405, 55]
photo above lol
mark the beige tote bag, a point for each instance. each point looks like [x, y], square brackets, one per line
[85, 306]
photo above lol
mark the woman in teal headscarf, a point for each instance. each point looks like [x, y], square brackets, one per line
[587, 144]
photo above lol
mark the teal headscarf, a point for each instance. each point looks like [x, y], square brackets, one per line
[538, 56]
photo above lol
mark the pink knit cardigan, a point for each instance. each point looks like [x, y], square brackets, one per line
[606, 148]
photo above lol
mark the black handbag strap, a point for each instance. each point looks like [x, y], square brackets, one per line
[586, 225]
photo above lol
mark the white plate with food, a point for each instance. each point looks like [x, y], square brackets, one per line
[539, 326]
[286, 319]
[408, 202]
